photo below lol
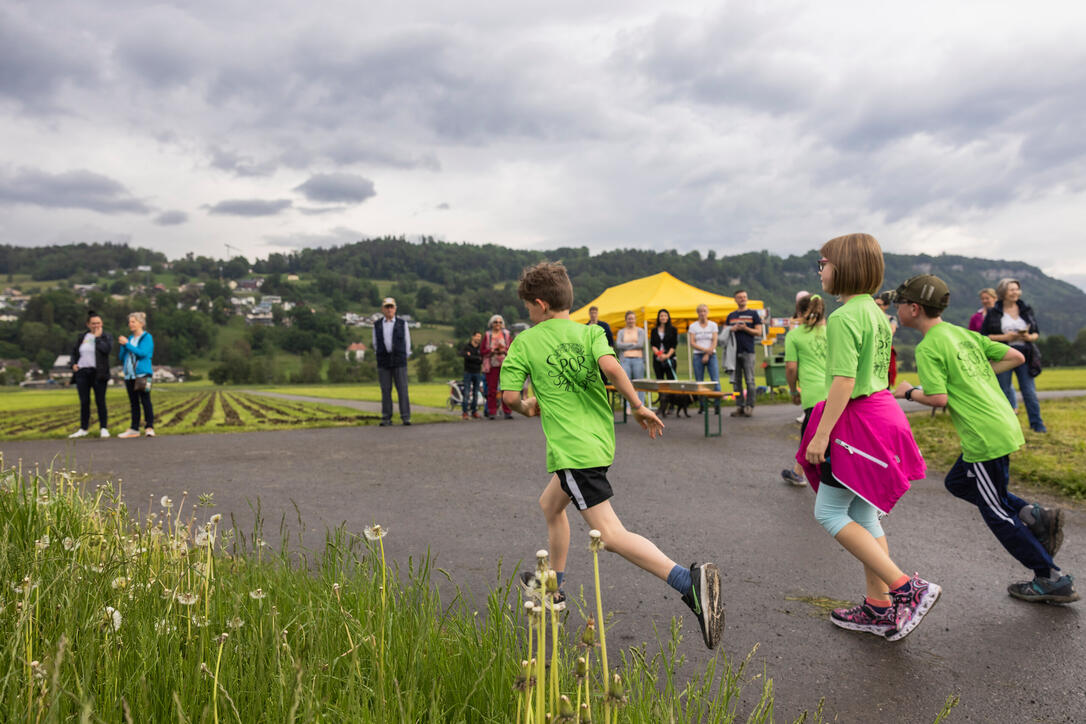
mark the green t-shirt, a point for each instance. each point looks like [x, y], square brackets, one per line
[955, 361]
[859, 340]
[561, 358]
[806, 346]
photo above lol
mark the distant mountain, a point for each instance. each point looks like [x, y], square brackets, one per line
[482, 270]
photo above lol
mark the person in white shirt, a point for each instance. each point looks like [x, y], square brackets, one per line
[702, 337]
[90, 371]
[392, 345]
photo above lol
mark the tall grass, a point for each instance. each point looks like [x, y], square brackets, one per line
[167, 614]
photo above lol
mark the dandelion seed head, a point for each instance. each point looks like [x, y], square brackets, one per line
[204, 539]
[258, 594]
[235, 623]
[335, 588]
[118, 583]
[186, 598]
[374, 532]
[42, 543]
[221, 638]
[165, 502]
[214, 520]
[112, 618]
[200, 621]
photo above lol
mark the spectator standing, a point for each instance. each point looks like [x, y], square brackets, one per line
[987, 301]
[392, 344]
[746, 325]
[663, 340]
[630, 345]
[1012, 322]
[702, 338]
[594, 318]
[90, 371]
[136, 353]
[495, 347]
[805, 367]
[472, 352]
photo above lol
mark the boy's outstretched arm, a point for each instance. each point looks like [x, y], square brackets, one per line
[645, 417]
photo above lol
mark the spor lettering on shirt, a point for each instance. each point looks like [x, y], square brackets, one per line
[570, 368]
[973, 362]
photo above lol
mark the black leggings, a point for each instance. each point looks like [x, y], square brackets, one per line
[135, 399]
[86, 380]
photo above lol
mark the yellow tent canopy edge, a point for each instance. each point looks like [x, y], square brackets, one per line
[647, 295]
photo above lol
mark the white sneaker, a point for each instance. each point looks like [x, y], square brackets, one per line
[129, 433]
[150, 432]
[78, 433]
[104, 432]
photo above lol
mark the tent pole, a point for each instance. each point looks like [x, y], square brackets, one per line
[649, 367]
[689, 353]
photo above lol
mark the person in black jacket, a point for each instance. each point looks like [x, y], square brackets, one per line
[1011, 321]
[664, 340]
[90, 368]
[472, 352]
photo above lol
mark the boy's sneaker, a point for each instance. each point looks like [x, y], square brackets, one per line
[911, 607]
[704, 600]
[866, 619]
[531, 584]
[1046, 590]
[1047, 527]
[129, 433]
[103, 433]
[78, 433]
[149, 432]
[791, 478]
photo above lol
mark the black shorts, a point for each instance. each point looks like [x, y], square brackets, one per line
[585, 487]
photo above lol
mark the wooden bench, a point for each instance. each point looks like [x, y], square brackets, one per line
[701, 390]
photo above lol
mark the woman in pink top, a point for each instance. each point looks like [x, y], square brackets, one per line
[987, 301]
[495, 346]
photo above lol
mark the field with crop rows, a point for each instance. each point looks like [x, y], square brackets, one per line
[184, 412]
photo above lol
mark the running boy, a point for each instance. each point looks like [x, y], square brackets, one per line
[957, 370]
[561, 357]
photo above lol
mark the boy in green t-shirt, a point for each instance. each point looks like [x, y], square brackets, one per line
[564, 360]
[957, 370]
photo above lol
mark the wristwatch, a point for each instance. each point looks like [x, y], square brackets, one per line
[909, 393]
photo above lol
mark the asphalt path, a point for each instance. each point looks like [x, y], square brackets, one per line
[465, 492]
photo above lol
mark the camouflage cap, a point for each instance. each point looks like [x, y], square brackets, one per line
[926, 289]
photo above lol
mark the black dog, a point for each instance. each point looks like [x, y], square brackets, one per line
[680, 402]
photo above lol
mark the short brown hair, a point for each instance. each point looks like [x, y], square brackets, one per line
[549, 282]
[857, 261]
[1004, 285]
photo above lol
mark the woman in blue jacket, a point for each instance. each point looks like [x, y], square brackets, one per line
[136, 352]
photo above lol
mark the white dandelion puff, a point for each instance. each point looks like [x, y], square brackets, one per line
[42, 543]
[204, 539]
[166, 502]
[187, 599]
[374, 532]
[235, 623]
[112, 618]
[214, 520]
[119, 582]
[258, 594]
[200, 621]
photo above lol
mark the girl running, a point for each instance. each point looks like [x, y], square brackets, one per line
[858, 451]
[805, 366]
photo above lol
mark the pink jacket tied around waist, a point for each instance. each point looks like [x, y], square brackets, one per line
[872, 450]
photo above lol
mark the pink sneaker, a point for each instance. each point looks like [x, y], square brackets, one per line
[912, 605]
[864, 618]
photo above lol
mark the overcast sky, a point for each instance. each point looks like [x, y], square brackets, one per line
[272, 126]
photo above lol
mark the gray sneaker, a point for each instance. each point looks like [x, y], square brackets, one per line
[1047, 527]
[1045, 590]
[704, 600]
[791, 478]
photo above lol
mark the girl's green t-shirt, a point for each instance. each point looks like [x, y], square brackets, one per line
[858, 339]
[806, 346]
[561, 356]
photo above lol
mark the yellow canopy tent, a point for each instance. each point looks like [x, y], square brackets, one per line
[647, 295]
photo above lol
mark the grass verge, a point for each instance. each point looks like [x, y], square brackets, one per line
[1053, 461]
[177, 617]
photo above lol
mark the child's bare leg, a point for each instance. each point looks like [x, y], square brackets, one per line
[877, 589]
[553, 501]
[633, 547]
[875, 556]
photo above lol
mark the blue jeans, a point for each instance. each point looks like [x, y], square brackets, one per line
[1029, 394]
[634, 367]
[712, 366]
[473, 384]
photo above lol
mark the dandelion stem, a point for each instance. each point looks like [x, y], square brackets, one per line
[215, 692]
[603, 628]
[541, 679]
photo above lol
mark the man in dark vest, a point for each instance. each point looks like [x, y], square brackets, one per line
[392, 344]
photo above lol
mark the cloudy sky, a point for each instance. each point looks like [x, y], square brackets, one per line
[272, 126]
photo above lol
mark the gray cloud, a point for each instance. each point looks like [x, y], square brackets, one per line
[239, 164]
[36, 60]
[443, 206]
[249, 207]
[171, 218]
[80, 189]
[337, 188]
[320, 210]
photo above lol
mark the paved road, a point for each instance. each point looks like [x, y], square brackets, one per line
[466, 491]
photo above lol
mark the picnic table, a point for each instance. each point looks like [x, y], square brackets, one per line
[703, 391]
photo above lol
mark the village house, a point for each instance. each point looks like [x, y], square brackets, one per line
[358, 349]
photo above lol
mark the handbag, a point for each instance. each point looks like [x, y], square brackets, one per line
[141, 384]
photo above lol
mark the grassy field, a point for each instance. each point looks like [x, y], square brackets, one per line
[1053, 461]
[428, 394]
[176, 616]
[177, 411]
[1052, 378]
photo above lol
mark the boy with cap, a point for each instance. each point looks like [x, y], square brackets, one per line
[564, 360]
[957, 370]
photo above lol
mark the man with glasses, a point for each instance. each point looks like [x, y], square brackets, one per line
[392, 344]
